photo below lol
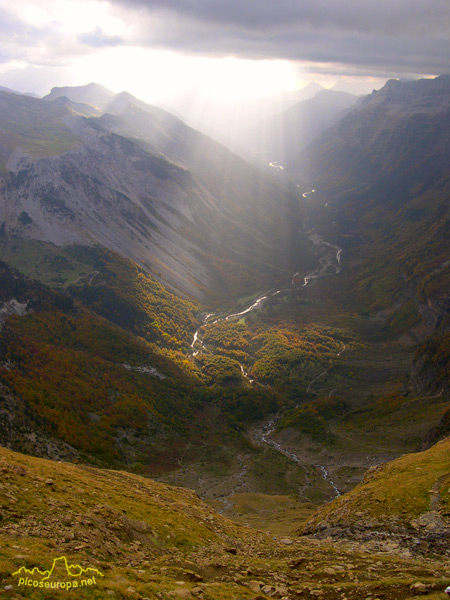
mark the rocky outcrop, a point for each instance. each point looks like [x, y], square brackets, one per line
[11, 307]
[428, 533]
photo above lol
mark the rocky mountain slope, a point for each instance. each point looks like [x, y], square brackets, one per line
[393, 139]
[179, 204]
[384, 172]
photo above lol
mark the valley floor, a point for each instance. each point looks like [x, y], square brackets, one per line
[383, 418]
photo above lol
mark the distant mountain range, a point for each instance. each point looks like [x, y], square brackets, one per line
[397, 134]
[6, 89]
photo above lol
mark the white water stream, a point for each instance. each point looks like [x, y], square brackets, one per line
[263, 436]
[197, 344]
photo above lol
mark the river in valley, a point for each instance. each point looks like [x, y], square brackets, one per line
[329, 264]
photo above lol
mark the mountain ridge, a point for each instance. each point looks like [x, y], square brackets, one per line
[92, 93]
[170, 194]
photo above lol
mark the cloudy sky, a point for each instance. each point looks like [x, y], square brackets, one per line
[228, 48]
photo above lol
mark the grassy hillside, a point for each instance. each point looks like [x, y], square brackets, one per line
[415, 234]
[111, 286]
[149, 540]
[409, 495]
[109, 370]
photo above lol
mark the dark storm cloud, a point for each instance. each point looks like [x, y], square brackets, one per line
[363, 15]
[384, 34]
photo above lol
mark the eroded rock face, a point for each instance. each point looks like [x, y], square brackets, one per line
[105, 193]
[165, 201]
[12, 307]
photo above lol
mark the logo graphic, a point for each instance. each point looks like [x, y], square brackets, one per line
[61, 576]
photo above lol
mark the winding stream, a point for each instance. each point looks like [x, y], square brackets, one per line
[262, 435]
[330, 264]
[197, 343]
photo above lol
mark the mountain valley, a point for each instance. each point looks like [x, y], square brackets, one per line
[276, 340]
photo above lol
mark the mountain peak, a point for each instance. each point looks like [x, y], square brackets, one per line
[93, 93]
[305, 93]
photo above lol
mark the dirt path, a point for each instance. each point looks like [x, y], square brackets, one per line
[435, 499]
[92, 275]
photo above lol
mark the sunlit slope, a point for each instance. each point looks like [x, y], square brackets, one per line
[106, 373]
[86, 382]
[408, 496]
[142, 183]
[120, 524]
[149, 540]
[248, 214]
